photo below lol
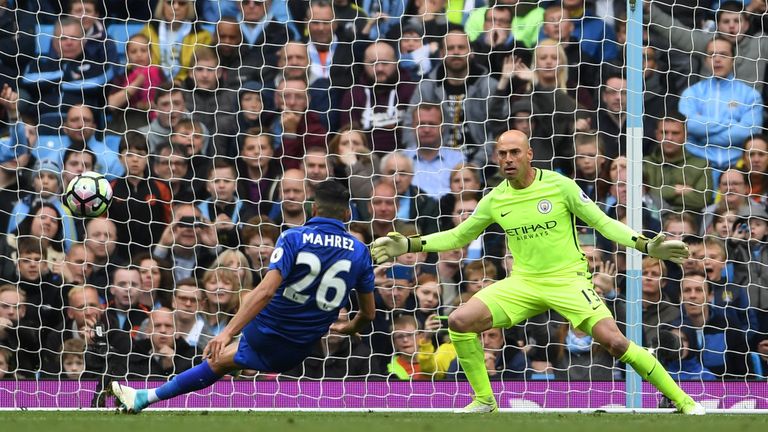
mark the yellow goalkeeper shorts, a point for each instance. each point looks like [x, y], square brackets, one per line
[518, 298]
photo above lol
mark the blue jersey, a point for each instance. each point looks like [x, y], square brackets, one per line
[320, 263]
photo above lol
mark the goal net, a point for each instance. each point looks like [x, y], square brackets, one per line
[214, 121]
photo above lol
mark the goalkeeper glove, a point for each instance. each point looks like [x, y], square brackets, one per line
[394, 245]
[663, 249]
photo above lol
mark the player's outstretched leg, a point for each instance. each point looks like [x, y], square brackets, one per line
[133, 401]
[464, 325]
[607, 334]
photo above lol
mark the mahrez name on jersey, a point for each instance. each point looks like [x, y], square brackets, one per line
[328, 240]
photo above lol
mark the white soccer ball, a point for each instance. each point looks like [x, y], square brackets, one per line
[88, 195]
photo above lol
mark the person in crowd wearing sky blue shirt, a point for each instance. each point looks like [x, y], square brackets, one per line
[722, 111]
[311, 271]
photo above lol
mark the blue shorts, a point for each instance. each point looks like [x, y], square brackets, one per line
[269, 352]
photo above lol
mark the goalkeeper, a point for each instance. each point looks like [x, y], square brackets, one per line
[537, 210]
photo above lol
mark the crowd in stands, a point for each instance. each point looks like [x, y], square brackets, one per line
[214, 121]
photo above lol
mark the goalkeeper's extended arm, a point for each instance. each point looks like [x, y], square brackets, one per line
[396, 244]
[657, 247]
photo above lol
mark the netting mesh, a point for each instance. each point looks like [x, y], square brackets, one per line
[215, 120]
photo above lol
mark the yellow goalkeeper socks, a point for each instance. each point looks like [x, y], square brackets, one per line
[651, 370]
[472, 361]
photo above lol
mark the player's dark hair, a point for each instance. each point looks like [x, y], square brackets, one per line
[332, 199]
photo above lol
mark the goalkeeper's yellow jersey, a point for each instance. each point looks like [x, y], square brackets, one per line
[540, 223]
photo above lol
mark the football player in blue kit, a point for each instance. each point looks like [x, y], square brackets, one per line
[311, 271]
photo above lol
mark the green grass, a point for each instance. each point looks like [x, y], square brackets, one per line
[369, 422]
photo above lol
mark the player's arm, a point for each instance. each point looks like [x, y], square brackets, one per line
[364, 316]
[252, 304]
[589, 212]
[396, 244]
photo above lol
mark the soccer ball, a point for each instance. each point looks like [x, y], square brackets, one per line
[88, 195]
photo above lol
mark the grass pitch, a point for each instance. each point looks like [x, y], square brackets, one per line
[53, 421]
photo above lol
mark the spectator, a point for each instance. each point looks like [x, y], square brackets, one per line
[465, 183]
[85, 320]
[762, 352]
[259, 238]
[264, 31]
[407, 358]
[382, 16]
[315, 166]
[242, 60]
[171, 165]
[433, 160]
[749, 255]
[382, 208]
[718, 129]
[723, 348]
[474, 107]
[73, 359]
[496, 42]
[428, 302]
[296, 129]
[660, 312]
[680, 225]
[611, 115]
[678, 180]
[727, 298]
[293, 209]
[258, 170]
[46, 187]
[250, 115]
[76, 269]
[168, 109]
[378, 100]
[208, 101]
[15, 40]
[41, 286]
[156, 280]
[598, 41]
[133, 91]
[478, 274]
[188, 303]
[46, 223]
[394, 294]
[590, 162]
[756, 166]
[431, 16]
[415, 55]
[222, 292]
[413, 204]
[80, 133]
[351, 157]
[174, 34]
[103, 253]
[163, 354]
[96, 45]
[684, 362]
[124, 311]
[616, 203]
[732, 193]
[329, 58]
[191, 138]
[19, 335]
[732, 23]
[234, 259]
[526, 21]
[141, 205]
[223, 207]
[66, 77]
[188, 242]
[722, 222]
[553, 110]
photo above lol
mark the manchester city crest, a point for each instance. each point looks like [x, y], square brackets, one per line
[544, 206]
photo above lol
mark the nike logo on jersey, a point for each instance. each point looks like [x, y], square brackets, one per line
[505, 214]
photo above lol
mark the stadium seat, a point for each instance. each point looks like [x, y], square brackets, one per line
[44, 38]
[120, 32]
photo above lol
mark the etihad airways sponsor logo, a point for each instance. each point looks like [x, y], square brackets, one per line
[538, 230]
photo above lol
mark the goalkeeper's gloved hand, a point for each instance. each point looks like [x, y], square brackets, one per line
[394, 245]
[663, 249]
